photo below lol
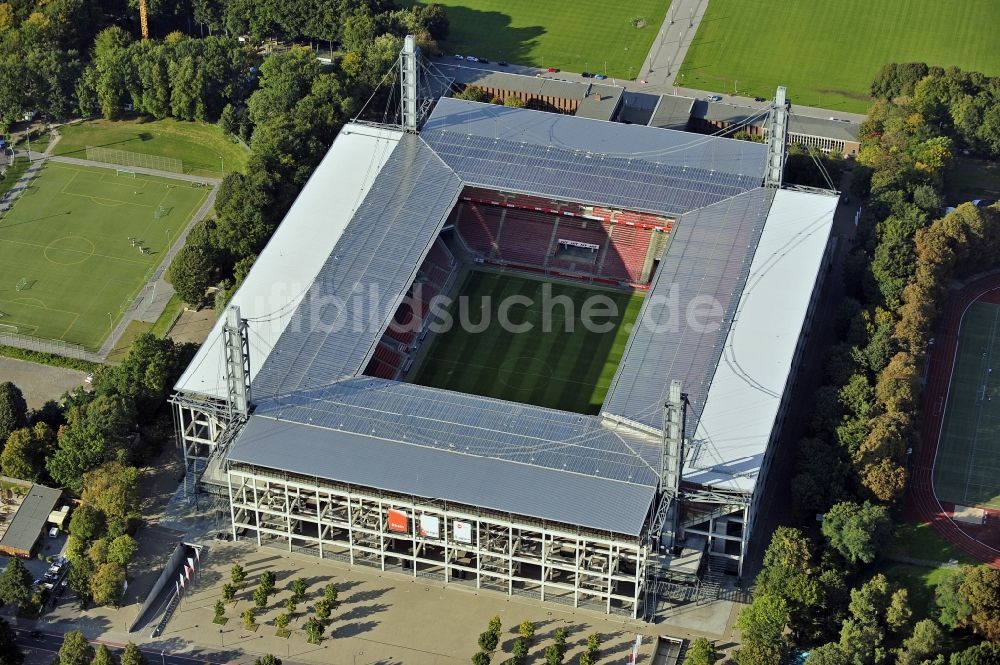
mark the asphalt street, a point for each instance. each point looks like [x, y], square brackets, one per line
[49, 643]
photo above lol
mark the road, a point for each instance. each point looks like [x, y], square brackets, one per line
[48, 642]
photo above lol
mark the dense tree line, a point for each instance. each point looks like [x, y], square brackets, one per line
[91, 445]
[852, 468]
[962, 105]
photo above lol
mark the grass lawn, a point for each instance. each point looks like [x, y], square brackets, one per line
[556, 369]
[200, 146]
[68, 236]
[971, 178]
[575, 35]
[828, 52]
[920, 582]
[967, 467]
[921, 541]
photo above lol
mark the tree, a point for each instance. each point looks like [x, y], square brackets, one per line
[955, 609]
[857, 531]
[132, 656]
[113, 488]
[828, 654]
[762, 625]
[249, 618]
[228, 592]
[86, 523]
[98, 551]
[526, 630]
[15, 583]
[267, 581]
[593, 652]
[862, 641]
[75, 649]
[483, 658]
[13, 409]
[330, 594]
[24, 455]
[926, 642]
[290, 605]
[147, 373]
[191, 273]
[268, 659]
[520, 651]
[95, 433]
[122, 549]
[281, 623]
[79, 577]
[299, 587]
[220, 611]
[103, 656]
[514, 102]
[260, 597]
[314, 630]
[980, 589]
[473, 94]
[701, 652]
[985, 653]
[238, 574]
[898, 614]
[108, 584]
[322, 609]
[10, 652]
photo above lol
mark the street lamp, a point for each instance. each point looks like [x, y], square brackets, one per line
[222, 637]
[163, 660]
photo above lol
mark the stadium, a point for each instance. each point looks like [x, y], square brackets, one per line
[317, 408]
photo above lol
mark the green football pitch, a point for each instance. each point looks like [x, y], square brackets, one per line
[575, 35]
[967, 468]
[828, 52]
[545, 365]
[68, 267]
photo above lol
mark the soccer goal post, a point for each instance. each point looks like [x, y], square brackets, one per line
[124, 173]
[8, 328]
[161, 212]
[23, 284]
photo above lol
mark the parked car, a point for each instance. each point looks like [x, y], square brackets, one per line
[485, 61]
[600, 77]
[714, 98]
[472, 58]
[502, 63]
[552, 70]
[759, 99]
[586, 75]
[459, 57]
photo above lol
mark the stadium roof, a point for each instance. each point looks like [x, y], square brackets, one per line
[288, 266]
[406, 438]
[633, 167]
[741, 411]
[368, 216]
[678, 336]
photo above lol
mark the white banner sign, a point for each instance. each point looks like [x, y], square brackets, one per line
[463, 532]
[577, 243]
[430, 526]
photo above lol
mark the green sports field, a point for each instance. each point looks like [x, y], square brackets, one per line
[574, 35]
[967, 468]
[67, 237]
[545, 366]
[203, 148]
[828, 52]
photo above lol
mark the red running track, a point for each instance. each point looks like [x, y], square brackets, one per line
[980, 542]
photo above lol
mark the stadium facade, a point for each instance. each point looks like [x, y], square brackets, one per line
[297, 412]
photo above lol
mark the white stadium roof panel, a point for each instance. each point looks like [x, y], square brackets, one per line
[741, 409]
[300, 246]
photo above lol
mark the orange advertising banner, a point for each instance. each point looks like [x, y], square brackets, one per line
[398, 521]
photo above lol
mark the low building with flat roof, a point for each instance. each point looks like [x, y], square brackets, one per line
[24, 517]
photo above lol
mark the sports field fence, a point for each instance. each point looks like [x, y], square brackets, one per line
[42, 345]
[140, 160]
